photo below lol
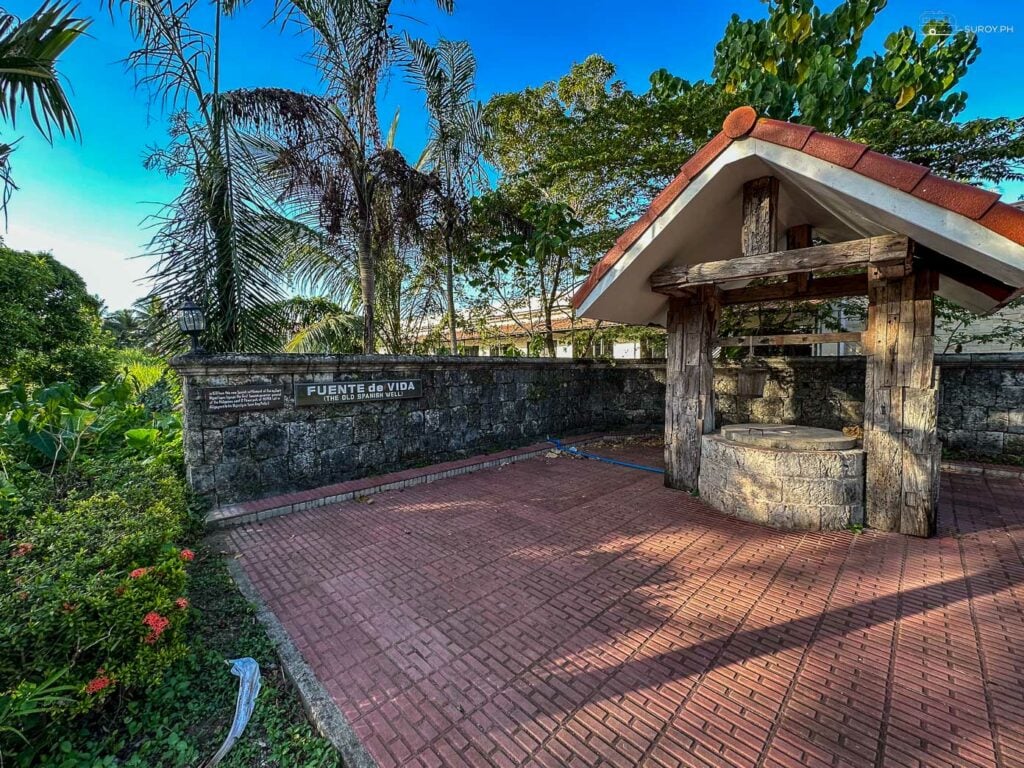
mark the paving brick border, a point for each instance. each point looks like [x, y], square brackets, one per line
[262, 509]
[1001, 471]
[323, 712]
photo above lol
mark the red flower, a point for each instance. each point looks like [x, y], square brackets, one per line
[22, 549]
[138, 573]
[98, 683]
[157, 624]
[188, 555]
[182, 602]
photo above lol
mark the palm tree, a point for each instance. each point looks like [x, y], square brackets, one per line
[220, 242]
[29, 51]
[447, 76]
[332, 154]
[125, 325]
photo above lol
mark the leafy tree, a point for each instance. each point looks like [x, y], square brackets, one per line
[52, 326]
[526, 253]
[804, 65]
[801, 63]
[447, 76]
[587, 141]
[29, 50]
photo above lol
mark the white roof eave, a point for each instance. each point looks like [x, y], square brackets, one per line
[864, 205]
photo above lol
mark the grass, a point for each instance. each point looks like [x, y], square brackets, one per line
[182, 720]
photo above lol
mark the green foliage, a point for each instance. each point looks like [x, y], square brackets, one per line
[46, 429]
[52, 326]
[144, 369]
[447, 76]
[29, 51]
[518, 239]
[126, 326]
[181, 720]
[805, 64]
[587, 141]
[90, 490]
[319, 325]
[982, 150]
[525, 252]
[961, 326]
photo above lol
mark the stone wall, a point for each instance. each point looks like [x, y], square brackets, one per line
[811, 391]
[468, 406]
[981, 399]
[981, 407]
[472, 405]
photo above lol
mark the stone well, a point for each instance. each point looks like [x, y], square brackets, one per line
[785, 476]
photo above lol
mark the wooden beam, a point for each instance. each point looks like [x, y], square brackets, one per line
[789, 339]
[760, 216]
[817, 288]
[891, 251]
[966, 275]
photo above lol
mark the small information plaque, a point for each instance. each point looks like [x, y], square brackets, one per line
[244, 397]
[329, 392]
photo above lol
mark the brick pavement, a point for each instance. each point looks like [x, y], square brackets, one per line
[568, 612]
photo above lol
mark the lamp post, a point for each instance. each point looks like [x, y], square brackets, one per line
[192, 323]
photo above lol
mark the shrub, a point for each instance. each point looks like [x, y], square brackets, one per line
[92, 579]
[93, 587]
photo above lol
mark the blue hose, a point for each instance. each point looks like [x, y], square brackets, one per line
[574, 451]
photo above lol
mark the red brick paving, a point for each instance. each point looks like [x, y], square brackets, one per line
[569, 612]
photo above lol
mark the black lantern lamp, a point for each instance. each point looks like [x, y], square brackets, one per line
[192, 323]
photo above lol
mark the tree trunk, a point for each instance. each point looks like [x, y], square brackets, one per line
[450, 275]
[225, 319]
[549, 333]
[367, 288]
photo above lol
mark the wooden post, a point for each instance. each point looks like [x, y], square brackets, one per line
[799, 236]
[692, 328]
[760, 216]
[900, 404]
[689, 390]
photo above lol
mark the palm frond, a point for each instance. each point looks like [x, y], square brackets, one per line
[334, 333]
[175, 59]
[29, 51]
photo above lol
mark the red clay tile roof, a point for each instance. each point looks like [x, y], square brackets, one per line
[967, 200]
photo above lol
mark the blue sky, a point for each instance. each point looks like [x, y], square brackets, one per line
[87, 200]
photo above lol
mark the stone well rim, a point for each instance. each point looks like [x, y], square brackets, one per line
[791, 437]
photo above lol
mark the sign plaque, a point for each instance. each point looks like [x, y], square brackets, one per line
[244, 397]
[330, 392]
